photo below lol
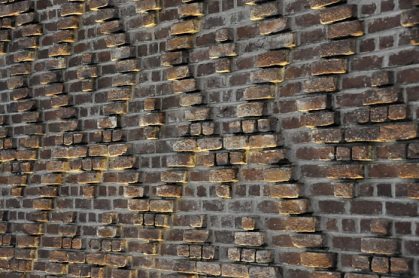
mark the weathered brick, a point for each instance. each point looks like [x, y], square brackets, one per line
[148, 5]
[318, 4]
[381, 96]
[179, 43]
[320, 84]
[338, 48]
[338, 13]
[273, 26]
[271, 75]
[317, 260]
[185, 27]
[208, 268]
[345, 29]
[312, 103]
[250, 109]
[192, 9]
[259, 12]
[234, 270]
[195, 236]
[331, 66]
[379, 246]
[222, 175]
[222, 50]
[272, 58]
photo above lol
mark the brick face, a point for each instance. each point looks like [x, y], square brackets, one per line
[192, 138]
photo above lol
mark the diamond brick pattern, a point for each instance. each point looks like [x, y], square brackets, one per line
[219, 138]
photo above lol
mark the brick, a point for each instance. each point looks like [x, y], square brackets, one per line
[222, 175]
[391, 132]
[381, 96]
[259, 92]
[297, 206]
[223, 35]
[195, 236]
[380, 265]
[249, 238]
[312, 103]
[235, 142]
[273, 26]
[283, 191]
[173, 58]
[379, 246]
[72, 9]
[320, 84]
[272, 58]
[207, 144]
[319, 4]
[265, 157]
[331, 66]
[259, 12]
[184, 85]
[250, 109]
[338, 48]
[179, 43]
[409, 18]
[148, 5]
[381, 78]
[223, 65]
[179, 72]
[319, 118]
[184, 27]
[152, 119]
[271, 75]
[185, 145]
[234, 270]
[181, 160]
[161, 205]
[335, 172]
[260, 272]
[338, 13]
[208, 268]
[173, 176]
[399, 265]
[317, 260]
[263, 141]
[192, 9]
[345, 29]
[139, 205]
[222, 50]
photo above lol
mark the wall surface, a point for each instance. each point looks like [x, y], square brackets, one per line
[233, 138]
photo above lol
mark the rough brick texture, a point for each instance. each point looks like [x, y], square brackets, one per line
[209, 138]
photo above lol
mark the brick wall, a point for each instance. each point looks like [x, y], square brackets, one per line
[233, 138]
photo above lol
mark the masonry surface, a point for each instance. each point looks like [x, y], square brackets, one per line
[232, 138]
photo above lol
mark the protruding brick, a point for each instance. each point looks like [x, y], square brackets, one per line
[273, 26]
[249, 238]
[222, 175]
[185, 27]
[338, 13]
[259, 12]
[318, 4]
[222, 50]
[345, 29]
[272, 58]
